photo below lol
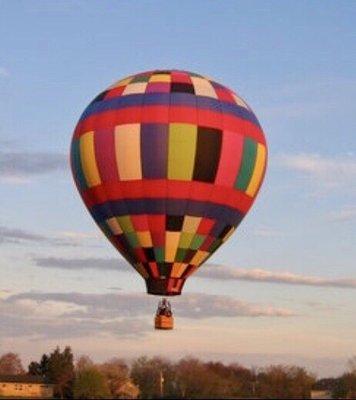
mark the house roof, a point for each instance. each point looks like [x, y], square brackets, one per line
[22, 379]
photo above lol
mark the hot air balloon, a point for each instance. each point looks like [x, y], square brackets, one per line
[168, 163]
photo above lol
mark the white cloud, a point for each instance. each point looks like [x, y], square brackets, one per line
[19, 167]
[347, 213]
[325, 172]
[57, 315]
[212, 271]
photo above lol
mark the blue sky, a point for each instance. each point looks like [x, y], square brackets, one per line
[290, 296]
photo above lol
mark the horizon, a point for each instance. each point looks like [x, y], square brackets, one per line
[283, 286]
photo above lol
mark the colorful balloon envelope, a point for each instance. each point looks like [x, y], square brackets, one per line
[168, 163]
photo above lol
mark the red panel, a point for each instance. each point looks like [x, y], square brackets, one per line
[178, 189]
[104, 145]
[180, 77]
[224, 95]
[157, 223]
[207, 243]
[205, 226]
[140, 254]
[183, 114]
[132, 189]
[210, 119]
[159, 114]
[230, 158]
[161, 188]
[154, 188]
[115, 92]
[200, 191]
[154, 114]
[140, 222]
[154, 269]
[158, 237]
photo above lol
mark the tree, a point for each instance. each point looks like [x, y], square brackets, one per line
[116, 372]
[196, 379]
[345, 387]
[90, 383]
[83, 362]
[10, 364]
[154, 377]
[284, 382]
[58, 368]
[40, 368]
[61, 371]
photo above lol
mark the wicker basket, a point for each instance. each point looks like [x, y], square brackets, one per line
[164, 322]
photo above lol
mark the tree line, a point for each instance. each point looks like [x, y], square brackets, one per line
[157, 377]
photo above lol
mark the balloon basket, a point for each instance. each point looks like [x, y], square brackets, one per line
[164, 316]
[163, 322]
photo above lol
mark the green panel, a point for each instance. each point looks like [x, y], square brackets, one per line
[214, 246]
[159, 254]
[247, 164]
[181, 151]
[180, 255]
[125, 223]
[185, 240]
[197, 242]
[141, 78]
[77, 165]
[132, 239]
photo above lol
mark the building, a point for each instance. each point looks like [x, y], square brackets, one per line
[29, 386]
[320, 394]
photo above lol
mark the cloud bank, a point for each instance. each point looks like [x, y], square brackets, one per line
[17, 166]
[212, 271]
[208, 271]
[21, 236]
[65, 315]
[326, 172]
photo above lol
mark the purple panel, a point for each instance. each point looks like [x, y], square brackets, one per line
[154, 150]
[196, 208]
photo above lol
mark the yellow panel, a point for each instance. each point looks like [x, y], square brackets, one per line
[178, 269]
[139, 87]
[199, 257]
[160, 78]
[191, 224]
[141, 270]
[88, 161]
[258, 171]
[122, 82]
[172, 240]
[125, 223]
[185, 240]
[114, 226]
[145, 239]
[239, 101]
[203, 87]
[128, 152]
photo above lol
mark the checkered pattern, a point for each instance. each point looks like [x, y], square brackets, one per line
[168, 163]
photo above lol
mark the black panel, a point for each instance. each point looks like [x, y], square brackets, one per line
[174, 222]
[207, 155]
[182, 87]
[189, 255]
[100, 97]
[225, 231]
[149, 253]
[159, 72]
[164, 269]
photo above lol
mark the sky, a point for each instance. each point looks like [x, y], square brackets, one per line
[283, 288]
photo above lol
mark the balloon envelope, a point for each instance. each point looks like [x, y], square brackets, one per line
[168, 163]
